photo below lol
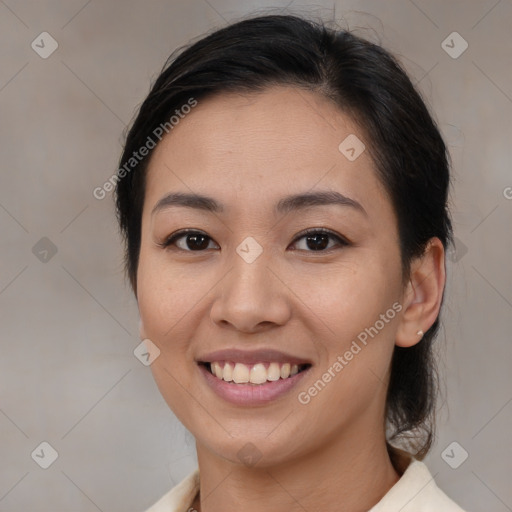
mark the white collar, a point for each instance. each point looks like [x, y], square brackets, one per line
[416, 491]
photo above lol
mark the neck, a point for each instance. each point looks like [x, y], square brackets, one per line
[346, 474]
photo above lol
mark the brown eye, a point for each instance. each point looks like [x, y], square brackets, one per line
[317, 240]
[192, 241]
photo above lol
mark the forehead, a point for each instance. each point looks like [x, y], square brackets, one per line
[261, 146]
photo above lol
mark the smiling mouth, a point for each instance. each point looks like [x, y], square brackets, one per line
[256, 374]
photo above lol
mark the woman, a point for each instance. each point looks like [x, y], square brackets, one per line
[283, 197]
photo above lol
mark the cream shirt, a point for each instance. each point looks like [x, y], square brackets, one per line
[416, 491]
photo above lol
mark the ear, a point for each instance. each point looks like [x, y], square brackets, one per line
[423, 294]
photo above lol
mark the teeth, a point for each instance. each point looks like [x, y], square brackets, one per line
[240, 373]
[258, 374]
[227, 374]
[255, 374]
[273, 372]
[217, 370]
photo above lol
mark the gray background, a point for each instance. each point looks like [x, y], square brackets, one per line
[68, 322]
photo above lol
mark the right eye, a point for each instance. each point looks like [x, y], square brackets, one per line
[194, 241]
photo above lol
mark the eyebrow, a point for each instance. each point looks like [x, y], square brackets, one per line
[284, 205]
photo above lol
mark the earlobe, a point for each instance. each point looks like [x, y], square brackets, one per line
[423, 296]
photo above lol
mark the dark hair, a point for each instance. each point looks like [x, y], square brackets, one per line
[363, 80]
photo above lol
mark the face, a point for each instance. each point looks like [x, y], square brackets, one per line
[299, 295]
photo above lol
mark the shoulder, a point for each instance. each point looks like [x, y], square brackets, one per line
[416, 491]
[179, 498]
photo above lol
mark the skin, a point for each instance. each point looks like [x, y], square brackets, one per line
[247, 152]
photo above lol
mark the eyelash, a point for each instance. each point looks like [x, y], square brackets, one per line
[343, 242]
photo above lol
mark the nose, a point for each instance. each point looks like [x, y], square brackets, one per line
[252, 297]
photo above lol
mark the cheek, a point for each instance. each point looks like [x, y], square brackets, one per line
[360, 310]
[352, 296]
[358, 303]
[164, 296]
[163, 302]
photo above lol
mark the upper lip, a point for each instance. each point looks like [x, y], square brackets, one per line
[251, 356]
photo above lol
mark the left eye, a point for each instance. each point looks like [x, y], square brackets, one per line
[317, 240]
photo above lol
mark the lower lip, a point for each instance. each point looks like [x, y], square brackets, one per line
[251, 394]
